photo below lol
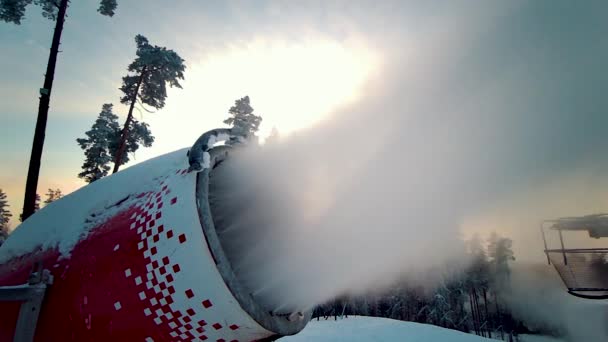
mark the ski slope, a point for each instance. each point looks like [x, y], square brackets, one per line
[370, 329]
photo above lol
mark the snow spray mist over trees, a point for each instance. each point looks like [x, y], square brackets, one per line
[454, 122]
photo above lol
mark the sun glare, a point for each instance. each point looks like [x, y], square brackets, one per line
[292, 85]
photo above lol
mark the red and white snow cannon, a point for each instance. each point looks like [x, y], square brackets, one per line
[132, 257]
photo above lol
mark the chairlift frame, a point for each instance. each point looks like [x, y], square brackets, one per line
[585, 223]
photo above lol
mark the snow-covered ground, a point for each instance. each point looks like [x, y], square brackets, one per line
[535, 338]
[369, 329]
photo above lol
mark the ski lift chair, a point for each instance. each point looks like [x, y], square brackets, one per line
[584, 271]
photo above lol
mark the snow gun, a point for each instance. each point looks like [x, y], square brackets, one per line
[133, 257]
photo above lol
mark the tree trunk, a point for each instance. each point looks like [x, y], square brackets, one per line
[498, 316]
[478, 312]
[485, 304]
[474, 320]
[125, 129]
[31, 184]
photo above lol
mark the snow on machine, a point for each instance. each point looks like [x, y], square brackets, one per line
[132, 257]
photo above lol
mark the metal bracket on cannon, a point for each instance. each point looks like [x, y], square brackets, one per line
[198, 155]
[31, 294]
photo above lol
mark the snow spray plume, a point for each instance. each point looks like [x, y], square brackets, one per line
[536, 296]
[452, 122]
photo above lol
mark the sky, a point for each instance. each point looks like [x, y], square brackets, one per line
[231, 50]
[538, 67]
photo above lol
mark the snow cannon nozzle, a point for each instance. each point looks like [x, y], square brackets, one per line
[198, 156]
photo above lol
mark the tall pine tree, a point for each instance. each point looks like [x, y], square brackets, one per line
[500, 252]
[97, 144]
[13, 11]
[150, 72]
[5, 216]
[139, 134]
[103, 140]
[244, 123]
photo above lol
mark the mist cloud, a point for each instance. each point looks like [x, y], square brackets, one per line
[472, 106]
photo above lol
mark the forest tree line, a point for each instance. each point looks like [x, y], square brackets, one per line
[471, 301]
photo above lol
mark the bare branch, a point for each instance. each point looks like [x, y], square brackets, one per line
[143, 107]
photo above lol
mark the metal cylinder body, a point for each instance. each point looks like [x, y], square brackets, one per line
[135, 257]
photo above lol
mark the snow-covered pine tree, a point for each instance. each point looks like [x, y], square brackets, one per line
[477, 284]
[96, 145]
[12, 11]
[150, 72]
[139, 134]
[5, 216]
[244, 123]
[52, 195]
[103, 141]
[500, 252]
[478, 271]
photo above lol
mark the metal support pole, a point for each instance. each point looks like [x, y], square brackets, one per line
[561, 241]
[28, 315]
[31, 295]
[542, 230]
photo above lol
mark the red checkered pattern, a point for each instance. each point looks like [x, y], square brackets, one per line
[156, 284]
[128, 280]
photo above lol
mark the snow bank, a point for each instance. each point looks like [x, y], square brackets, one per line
[61, 224]
[537, 338]
[367, 329]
